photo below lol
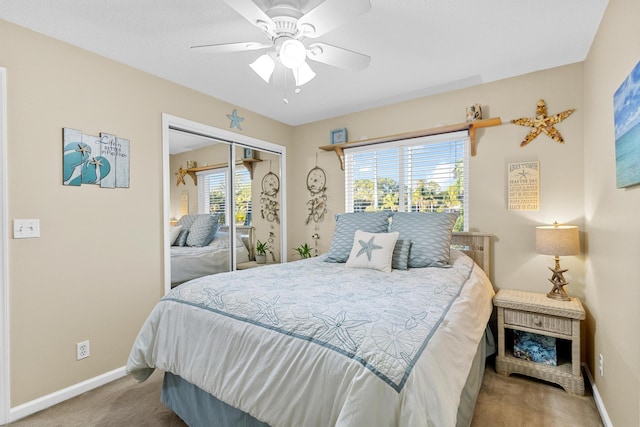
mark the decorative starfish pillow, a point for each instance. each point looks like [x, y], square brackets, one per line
[372, 250]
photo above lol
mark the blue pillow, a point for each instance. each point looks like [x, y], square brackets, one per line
[400, 259]
[430, 235]
[185, 221]
[202, 230]
[346, 226]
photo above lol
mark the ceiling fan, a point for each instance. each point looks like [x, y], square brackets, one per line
[286, 28]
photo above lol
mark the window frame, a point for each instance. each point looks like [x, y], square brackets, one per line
[204, 199]
[403, 172]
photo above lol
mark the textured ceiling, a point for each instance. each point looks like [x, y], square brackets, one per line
[417, 47]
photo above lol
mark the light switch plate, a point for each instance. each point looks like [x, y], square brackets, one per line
[26, 228]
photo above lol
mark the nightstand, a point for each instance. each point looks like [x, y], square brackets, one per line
[535, 313]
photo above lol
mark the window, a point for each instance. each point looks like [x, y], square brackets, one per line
[424, 174]
[212, 194]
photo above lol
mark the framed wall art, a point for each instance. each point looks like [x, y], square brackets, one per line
[247, 153]
[626, 110]
[523, 183]
[338, 136]
[102, 160]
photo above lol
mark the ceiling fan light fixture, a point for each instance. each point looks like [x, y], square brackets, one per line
[292, 53]
[263, 66]
[303, 74]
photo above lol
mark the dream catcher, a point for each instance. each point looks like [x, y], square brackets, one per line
[316, 184]
[317, 204]
[269, 198]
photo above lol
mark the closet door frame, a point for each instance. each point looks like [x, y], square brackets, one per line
[4, 263]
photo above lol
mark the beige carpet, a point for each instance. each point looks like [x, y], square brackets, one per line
[525, 402]
[124, 402]
[512, 401]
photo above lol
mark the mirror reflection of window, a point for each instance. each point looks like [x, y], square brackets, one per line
[212, 195]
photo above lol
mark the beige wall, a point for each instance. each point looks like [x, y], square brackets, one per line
[561, 193]
[613, 228]
[96, 272]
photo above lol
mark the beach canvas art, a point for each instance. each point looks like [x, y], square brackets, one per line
[101, 160]
[626, 105]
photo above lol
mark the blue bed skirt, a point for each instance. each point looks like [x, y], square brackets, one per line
[198, 408]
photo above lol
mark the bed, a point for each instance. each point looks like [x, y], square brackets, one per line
[317, 343]
[190, 262]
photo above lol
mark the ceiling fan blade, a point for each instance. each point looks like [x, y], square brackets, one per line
[232, 47]
[252, 13]
[338, 57]
[329, 15]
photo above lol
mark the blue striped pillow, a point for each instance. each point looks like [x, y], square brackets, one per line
[202, 230]
[430, 235]
[400, 259]
[346, 226]
[185, 221]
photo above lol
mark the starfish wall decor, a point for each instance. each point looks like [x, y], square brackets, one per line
[543, 123]
[181, 174]
[235, 119]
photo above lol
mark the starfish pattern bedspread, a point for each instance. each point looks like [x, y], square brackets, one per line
[304, 317]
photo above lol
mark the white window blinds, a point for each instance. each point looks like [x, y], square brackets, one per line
[424, 174]
[212, 194]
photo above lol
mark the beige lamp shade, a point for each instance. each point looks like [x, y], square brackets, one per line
[558, 240]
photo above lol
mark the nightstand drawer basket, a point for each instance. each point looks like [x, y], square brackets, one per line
[539, 321]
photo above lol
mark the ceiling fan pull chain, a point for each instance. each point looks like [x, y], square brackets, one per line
[285, 99]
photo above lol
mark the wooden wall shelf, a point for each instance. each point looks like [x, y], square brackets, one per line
[470, 126]
[247, 163]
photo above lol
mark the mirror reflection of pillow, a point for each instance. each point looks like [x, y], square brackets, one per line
[174, 232]
[202, 230]
[186, 221]
[372, 250]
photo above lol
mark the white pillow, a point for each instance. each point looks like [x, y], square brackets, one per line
[174, 232]
[372, 250]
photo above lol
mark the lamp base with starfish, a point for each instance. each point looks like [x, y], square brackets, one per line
[557, 279]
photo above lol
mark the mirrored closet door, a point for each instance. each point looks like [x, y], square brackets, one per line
[224, 205]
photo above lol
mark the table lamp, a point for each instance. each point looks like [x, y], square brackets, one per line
[558, 240]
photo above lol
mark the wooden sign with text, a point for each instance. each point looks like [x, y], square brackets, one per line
[523, 186]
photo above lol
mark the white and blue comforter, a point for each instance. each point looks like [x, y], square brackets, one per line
[311, 343]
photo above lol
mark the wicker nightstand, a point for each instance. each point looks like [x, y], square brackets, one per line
[533, 312]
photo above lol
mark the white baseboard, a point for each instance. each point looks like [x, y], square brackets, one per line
[598, 399]
[44, 402]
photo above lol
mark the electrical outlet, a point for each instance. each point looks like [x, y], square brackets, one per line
[82, 350]
[601, 365]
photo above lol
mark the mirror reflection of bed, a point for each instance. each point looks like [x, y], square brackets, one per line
[191, 262]
[200, 206]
